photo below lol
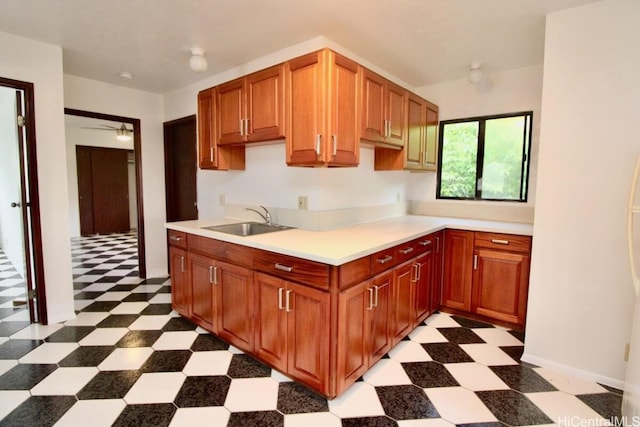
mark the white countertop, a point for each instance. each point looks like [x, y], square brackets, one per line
[342, 245]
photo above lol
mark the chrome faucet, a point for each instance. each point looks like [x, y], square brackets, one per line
[266, 216]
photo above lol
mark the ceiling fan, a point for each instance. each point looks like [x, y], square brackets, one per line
[123, 133]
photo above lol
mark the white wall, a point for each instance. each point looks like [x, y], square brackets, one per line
[94, 96]
[11, 240]
[92, 138]
[506, 92]
[581, 298]
[41, 64]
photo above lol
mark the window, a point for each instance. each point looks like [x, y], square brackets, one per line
[485, 158]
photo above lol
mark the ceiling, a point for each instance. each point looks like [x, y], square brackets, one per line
[419, 41]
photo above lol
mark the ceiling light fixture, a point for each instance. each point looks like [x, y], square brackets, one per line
[123, 134]
[475, 72]
[197, 62]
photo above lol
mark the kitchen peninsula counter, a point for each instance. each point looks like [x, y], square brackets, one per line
[341, 245]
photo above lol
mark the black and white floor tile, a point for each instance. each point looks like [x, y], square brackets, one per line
[128, 360]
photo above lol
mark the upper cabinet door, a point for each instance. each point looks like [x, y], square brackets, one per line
[416, 117]
[374, 124]
[384, 118]
[322, 105]
[343, 132]
[431, 137]
[230, 112]
[252, 108]
[264, 118]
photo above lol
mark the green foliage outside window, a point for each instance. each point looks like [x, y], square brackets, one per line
[485, 158]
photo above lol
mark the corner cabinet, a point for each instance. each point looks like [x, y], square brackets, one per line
[383, 110]
[322, 110]
[319, 324]
[210, 154]
[487, 274]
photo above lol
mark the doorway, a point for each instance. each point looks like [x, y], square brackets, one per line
[134, 125]
[22, 284]
[180, 166]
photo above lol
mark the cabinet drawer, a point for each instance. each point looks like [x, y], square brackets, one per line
[291, 268]
[236, 254]
[380, 261]
[507, 242]
[177, 238]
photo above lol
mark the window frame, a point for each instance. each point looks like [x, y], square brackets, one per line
[526, 162]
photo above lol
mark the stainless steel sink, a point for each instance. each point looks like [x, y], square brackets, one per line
[247, 228]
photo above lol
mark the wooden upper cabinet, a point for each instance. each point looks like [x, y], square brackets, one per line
[383, 110]
[251, 108]
[431, 137]
[414, 156]
[322, 110]
[210, 154]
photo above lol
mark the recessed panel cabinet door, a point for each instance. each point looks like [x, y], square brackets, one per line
[230, 112]
[180, 289]
[501, 285]
[202, 290]
[308, 335]
[458, 270]
[265, 105]
[271, 320]
[354, 332]
[234, 287]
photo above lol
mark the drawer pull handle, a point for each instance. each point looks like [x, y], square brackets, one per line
[377, 289]
[176, 238]
[283, 267]
[500, 241]
[213, 275]
[424, 242]
[406, 250]
[182, 264]
[385, 259]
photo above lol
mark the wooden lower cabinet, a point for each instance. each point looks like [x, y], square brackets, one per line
[292, 329]
[326, 325]
[364, 332]
[487, 274]
[180, 289]
[501, 282]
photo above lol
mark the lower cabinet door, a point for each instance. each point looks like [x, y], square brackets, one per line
[308, 330]
[501, 285]
[380, 320]
[202, 291]
[234, 289]
[180, 289]
[458, 269]
[354, 332]
[424, 270]
[403, 301]
[271, 320]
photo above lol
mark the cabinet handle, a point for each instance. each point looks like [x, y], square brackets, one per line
[211, 154]
[283, 267]
[500, 241]
[424, 242]
[246, 127]
[370, 299]
[377, 288]
[280, 305]
[425, 161]
[241, 127]
[287, 304]
[213, 275]
[406, 250]
[176, 238]
[182, 264]
[475, 262]
[318, 140]
[416, 272]
[438, 244]
[334, 139]
[385, 259]
[387, 128]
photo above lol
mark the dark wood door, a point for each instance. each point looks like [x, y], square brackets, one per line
[103, 190]
[180, 169]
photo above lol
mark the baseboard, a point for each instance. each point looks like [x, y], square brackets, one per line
[586, 375]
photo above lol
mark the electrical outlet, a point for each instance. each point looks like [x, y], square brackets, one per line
[222, 199]
[303, 202]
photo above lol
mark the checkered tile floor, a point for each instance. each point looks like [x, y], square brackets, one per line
[128, 360]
